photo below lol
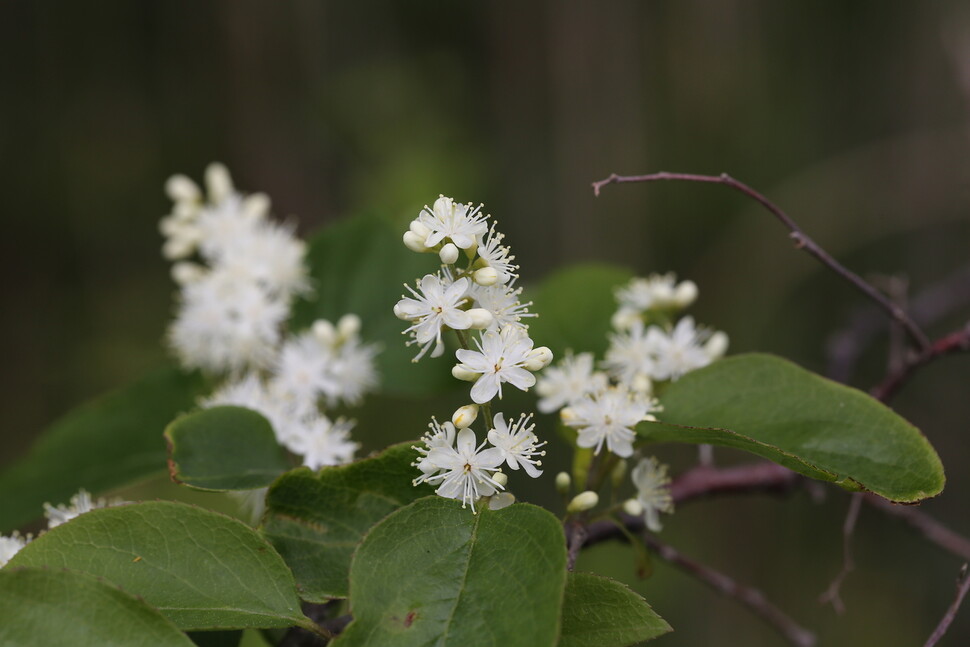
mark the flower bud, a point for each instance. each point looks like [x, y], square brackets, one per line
[348, 326]
[414, 242]
[501, 500]
[185, 272]
[486, 276]
[642, 385]
[181, 189]
[448, 253]
[563, 483]
[420, 229]
[717, 345]
[324, 331]
[465, 416]
[463, 374]
[538, 359]
[185, 211]
[481, 318]
[567, 414]
[256, 206]
[632, 507]
[685, 293]
[624, 319]
[583, 501]
[169, 226]
[218, 182]
[176, 248]
[501, 478]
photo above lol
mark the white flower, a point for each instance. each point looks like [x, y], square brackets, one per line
[464, 472]
[224, 324]
[459, 222]
[494, 254]
[501, 357]
[517, 442]
[503, 302]
[679, 352]
[656, 292]
[10, 546]
[438, 305]
[608, 417]
[286, 417]
[653, 491]
[252, 502]
[568, 381]
[439, 437]
[271, 256]
[309, 368]
[321, 442]
[632, 354]
[80, 503]
[355, 370]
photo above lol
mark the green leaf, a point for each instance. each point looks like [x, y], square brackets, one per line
[603, 612]
[105, 444]
[316, 519]
[41, 608]
[224, 448]
[433, 573]
[202, 570]
[575, 306]
[359, 266]
[770, 407]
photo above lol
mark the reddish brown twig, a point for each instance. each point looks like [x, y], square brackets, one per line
[831, 594]
[802, 241]
[749, 597]
[953, 343]
[963, 585]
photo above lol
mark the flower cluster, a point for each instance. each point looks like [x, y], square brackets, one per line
[56, 515]
[649, 348]
[476, 294]
[239, 273]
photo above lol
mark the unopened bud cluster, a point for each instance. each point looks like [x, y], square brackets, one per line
[473, 293]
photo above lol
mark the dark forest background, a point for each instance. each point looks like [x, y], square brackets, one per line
[854, 117]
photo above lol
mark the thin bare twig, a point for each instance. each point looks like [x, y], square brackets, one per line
[963, 585]
[931, 304]
[802, 241]
[749, 597]
[831, 594]
[955, 342]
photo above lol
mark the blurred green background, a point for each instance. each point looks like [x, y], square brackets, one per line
[852, 116]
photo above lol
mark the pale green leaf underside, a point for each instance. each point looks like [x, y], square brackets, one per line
[224, 448]
[42, 608]
[316, 519]
[433, 573]
[603, 612]
[202, 570]
[828, 431]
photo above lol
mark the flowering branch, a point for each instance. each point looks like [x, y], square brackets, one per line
[963, 585]
[802, 241]
[749, 597]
